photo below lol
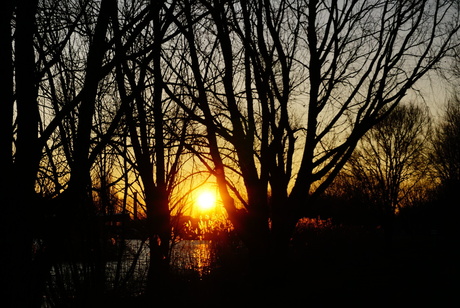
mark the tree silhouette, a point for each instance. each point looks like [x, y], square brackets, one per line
[63, 64]
[391, 159]
[446, 145]
[445, 160]
[287, 89]
[148, 117]
[271, 97]
[24, 154]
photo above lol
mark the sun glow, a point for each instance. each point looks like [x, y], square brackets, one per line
[206, 200]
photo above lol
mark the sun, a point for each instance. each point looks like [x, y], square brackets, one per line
[206, 200]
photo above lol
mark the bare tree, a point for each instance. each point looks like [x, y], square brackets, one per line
[446, 155]
[62, 64]
[392, 159]
[21, 159]
[290, 88]
[155, 133]
[270, 87]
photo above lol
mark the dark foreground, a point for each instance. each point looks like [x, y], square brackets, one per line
[331, 270]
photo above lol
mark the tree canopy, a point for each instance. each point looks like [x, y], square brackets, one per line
[271, 98]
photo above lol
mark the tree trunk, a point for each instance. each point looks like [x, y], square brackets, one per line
[22, 282]
[158, 210]
[97, 49]
[6, 91]
[159, 237]
[282, 227]
[80, 215]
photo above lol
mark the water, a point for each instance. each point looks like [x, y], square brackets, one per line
[189, 259]
[192, 256]
[185, 256]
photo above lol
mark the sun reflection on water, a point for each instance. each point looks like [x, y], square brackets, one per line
[192, 257]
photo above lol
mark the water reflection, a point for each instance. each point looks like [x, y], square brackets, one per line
[192, 257]
[189, 259]
[186, 256]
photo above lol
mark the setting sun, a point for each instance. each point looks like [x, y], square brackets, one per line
[206, 200]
